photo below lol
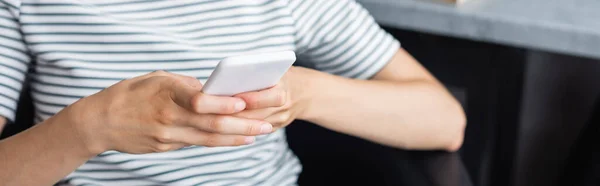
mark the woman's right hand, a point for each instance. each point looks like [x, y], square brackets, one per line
[159, 112]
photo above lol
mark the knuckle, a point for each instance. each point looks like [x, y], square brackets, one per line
[281, 99]
[167, 82]
[239, 141]
[166, 116]
[216, 123]
[161, 80]
[195, 100]
[227, 108]
[161, 147]
[284, 117]
[211, 140]
[163, 136]
[252, 129]
[287, 105]
[256, 102]
[130, 86]
[192, 81]
[156, 82]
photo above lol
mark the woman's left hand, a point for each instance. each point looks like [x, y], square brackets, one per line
[282, 103]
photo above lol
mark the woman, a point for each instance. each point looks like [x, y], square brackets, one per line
[107, 115]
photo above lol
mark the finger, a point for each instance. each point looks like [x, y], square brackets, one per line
[209, 104]
[194, 100]
[223, 124]
[272, 97]
[258, 114]
[201, 138]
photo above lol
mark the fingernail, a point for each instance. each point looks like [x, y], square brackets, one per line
[239, 106]
[266, 128]
[249, 140]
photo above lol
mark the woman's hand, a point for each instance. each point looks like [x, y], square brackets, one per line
[159, 112]
[281, 104]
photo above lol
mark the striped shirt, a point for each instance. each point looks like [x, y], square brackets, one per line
[74, 48]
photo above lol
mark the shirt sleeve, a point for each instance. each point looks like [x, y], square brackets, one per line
[341, 37]
[14, 59]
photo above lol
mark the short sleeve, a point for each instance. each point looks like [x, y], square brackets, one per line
[341, 37]
[14, 59]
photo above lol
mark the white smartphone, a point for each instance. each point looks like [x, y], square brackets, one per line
[238, 74]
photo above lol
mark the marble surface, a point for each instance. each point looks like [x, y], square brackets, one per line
[562, 26]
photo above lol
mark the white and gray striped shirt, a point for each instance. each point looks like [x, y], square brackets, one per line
[75, 48]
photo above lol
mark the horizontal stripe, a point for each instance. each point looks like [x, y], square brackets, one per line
[11, 70]
[375, 55]
[182, 175]
[380, 63]
[5, 3]
[8, 106]
[190, 27]
[281, 162]
[150, 17]
[127, 160]
[161, 56]
[11, 82]
[71, 64]
[5, 37]
[74, 82]
[9, 92]
[162, 8]
[278, 170]
[91, 75]
[252, 40]
[9, 100]
[14, 63]
[57, 99]
[147, 70]
[352, 56]
[45, 103]
[247, 25]
[19, 49]
[359, 56]
[113, 170]
[278, 163]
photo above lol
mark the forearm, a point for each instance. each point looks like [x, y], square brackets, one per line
[41, 155]
[411, 115]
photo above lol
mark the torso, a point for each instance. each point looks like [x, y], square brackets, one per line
[82, 47]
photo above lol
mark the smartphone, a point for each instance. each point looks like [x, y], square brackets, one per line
[245, 73]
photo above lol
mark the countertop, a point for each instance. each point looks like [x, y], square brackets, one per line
[569, 27]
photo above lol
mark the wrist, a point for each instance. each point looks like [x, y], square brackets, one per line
[312, 87]
[61, 134]
[75, 118]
